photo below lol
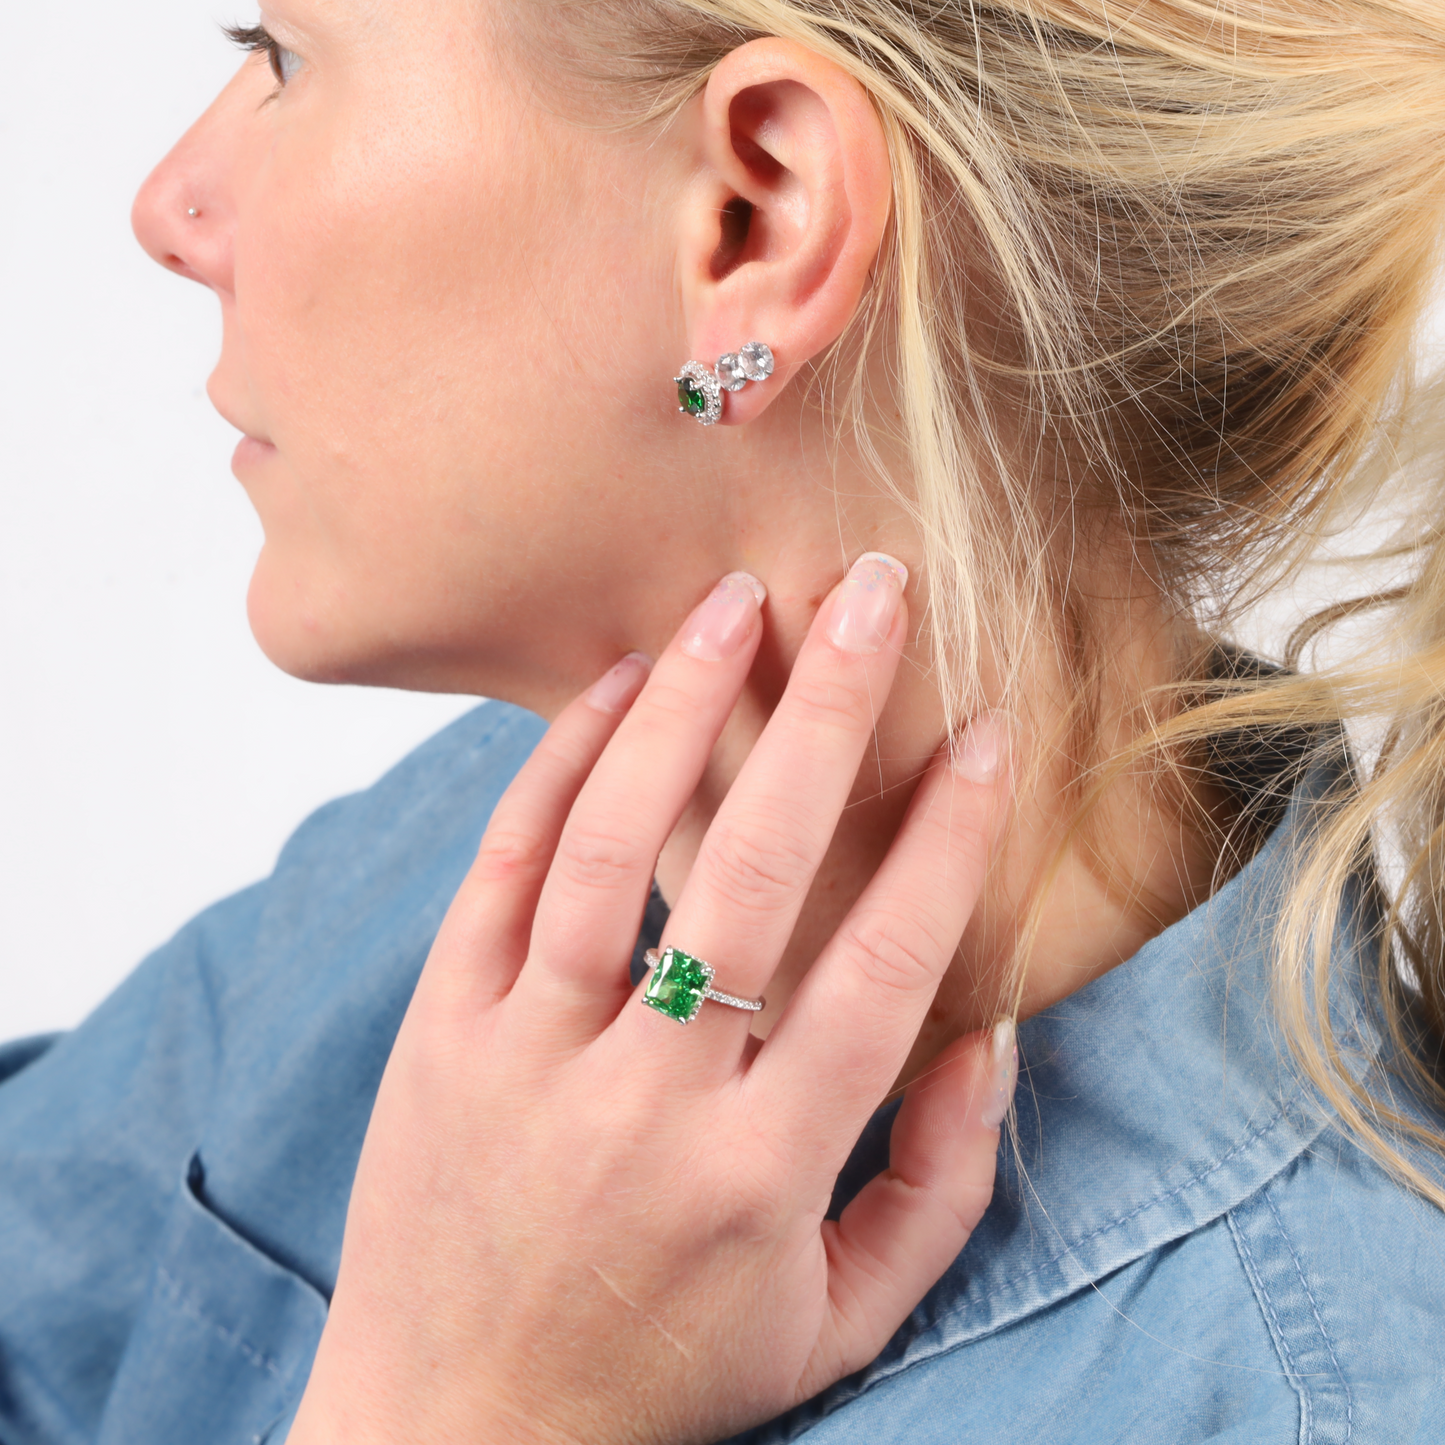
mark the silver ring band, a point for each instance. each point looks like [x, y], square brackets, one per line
[680, 983]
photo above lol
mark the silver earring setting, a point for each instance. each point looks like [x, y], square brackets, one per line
[700, 387]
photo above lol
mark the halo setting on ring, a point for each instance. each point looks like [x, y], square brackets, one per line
[680, 983]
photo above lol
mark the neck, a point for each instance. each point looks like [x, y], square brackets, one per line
[1068, 899]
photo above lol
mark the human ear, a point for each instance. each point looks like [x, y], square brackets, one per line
[787, 213]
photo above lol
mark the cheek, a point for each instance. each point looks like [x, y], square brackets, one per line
[347, 298]
[432, 324]
[365, 279]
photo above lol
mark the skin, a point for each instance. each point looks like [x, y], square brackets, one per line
[537, 1243]
[451, 312]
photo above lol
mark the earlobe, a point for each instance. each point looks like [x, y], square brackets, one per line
[781, 231]
[700, 387]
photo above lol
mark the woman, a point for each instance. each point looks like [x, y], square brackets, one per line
[1055, 333]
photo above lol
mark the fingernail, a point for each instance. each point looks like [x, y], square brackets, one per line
[980, 753]
[1004, 1073]
[722, 623]
[867, 602]
[616, 690]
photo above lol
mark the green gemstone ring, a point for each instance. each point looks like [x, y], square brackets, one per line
[680, 983]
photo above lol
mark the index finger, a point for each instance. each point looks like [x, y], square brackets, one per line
[855, 1016]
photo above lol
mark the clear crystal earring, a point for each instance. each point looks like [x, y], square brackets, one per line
[700, 387]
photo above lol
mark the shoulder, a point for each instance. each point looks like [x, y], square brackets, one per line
[338, 931]
[174, 1174]
[357, 893]
[451, 779]
[361, 887]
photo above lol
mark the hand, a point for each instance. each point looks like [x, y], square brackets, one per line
[574, 1219]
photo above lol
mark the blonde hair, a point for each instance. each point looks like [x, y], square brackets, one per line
[1213, 228]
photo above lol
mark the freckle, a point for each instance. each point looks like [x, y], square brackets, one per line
[935, 1013]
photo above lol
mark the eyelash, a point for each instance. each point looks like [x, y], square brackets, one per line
[258, 40]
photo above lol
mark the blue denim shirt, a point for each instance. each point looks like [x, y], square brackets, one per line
[1184, 1246]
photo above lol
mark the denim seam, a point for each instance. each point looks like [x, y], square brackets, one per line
[1256, 1277]
[1315, 1310]
[1151, 1203]
[175, 1290]
[903, 1366]
[264, 1436]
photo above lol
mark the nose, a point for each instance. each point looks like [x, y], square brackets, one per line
[185, 213]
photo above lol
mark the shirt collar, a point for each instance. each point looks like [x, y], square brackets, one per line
[1149, 1103]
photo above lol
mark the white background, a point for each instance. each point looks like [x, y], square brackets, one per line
[151, 760]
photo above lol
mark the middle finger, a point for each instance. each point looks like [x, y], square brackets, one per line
[745, 891]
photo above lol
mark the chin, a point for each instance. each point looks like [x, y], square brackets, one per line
[309, 641]
[305, 628]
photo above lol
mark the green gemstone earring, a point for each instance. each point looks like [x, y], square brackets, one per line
[700, 387]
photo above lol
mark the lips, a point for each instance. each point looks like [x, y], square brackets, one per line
[250, 448]
[251, 451]
[216, 389]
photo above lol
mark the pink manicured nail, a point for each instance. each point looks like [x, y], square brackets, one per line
[1004, 1074]
[722, 623]
[616, 690]
[867, 602]
[980, 754]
